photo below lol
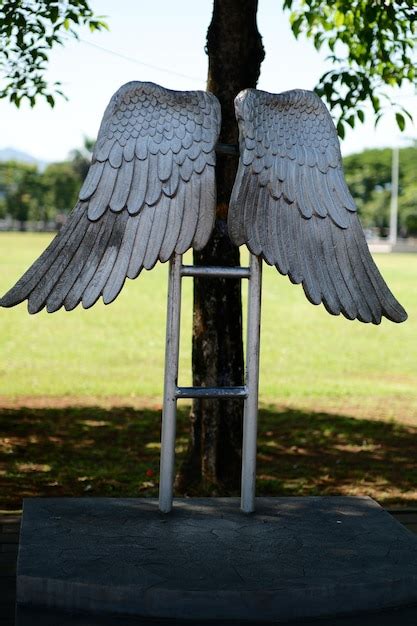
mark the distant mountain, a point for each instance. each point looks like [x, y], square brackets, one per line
[11, 154]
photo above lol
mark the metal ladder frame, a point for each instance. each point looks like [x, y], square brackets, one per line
[249, 392]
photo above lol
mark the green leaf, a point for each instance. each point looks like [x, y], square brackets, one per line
[400, 121]
[341, 130]
[296, 26]
[375, 103]
[318, 40]
[361, 115]
[339, 19]
[51, 100]
[351, 121]
[54, 14]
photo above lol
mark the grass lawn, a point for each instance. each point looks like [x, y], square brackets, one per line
[118, 350]
[338, 398]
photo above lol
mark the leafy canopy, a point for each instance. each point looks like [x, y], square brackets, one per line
[29, 29]
[368, 175]
[370, 44]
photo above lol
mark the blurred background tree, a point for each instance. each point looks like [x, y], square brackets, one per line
[81, 157]
[368, 175]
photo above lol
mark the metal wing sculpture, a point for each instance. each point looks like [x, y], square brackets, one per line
[290, 204]
[149, 192]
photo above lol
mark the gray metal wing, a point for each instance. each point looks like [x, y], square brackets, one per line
[290, 204]
[149, 192]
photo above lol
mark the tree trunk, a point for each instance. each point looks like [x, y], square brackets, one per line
[235, 52]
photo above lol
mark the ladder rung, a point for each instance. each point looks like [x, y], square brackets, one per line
[212, 392]
[213, 271]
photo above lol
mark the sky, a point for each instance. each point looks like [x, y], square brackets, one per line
[163, 41]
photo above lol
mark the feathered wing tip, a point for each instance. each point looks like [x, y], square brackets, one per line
[290, 204]
[150, 192]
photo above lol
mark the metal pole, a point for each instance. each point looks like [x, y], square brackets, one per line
[250, 414]
[169, 411]
[393, 223]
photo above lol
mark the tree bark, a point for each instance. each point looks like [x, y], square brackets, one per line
[235, 51]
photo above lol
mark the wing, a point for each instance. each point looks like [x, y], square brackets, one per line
[290, 204]
[149, 192]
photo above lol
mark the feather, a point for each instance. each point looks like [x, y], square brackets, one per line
[200, 163]
[317, 268]
[153, 187]
[122, 187]
[164, 166]
[137, 191]
[304, 200]
[262, 219]
[282, 261]
[347, 305]
[157, 233]
[311, 281]
[249, 207]
[291, 182]
[116, 155]
[340, 189]
[206, 208]
[92, 180]
[334, 209]
[37, 298]
[170, 187]
[176, 145]
[295, 272]
[330, 298]
[175, 215]
[187, 169]
[99, 202]
[273, 239]
[250, 217]
[313, 188]
[118, 274]
[105, 226]
[97, 283]
[141, 149]
[129, 149]
[102, 148]
[190, 216]
[237, 200]
[391, 308]
[59, 292]
[145, 219]
[194, 150]
[187, 141]
[340, 247]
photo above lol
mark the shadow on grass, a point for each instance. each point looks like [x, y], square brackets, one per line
[92, 451]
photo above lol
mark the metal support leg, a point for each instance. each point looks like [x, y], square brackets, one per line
[169, 411]
[250, 414]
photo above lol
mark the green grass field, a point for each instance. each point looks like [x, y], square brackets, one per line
[80, 392]
[118, 350]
